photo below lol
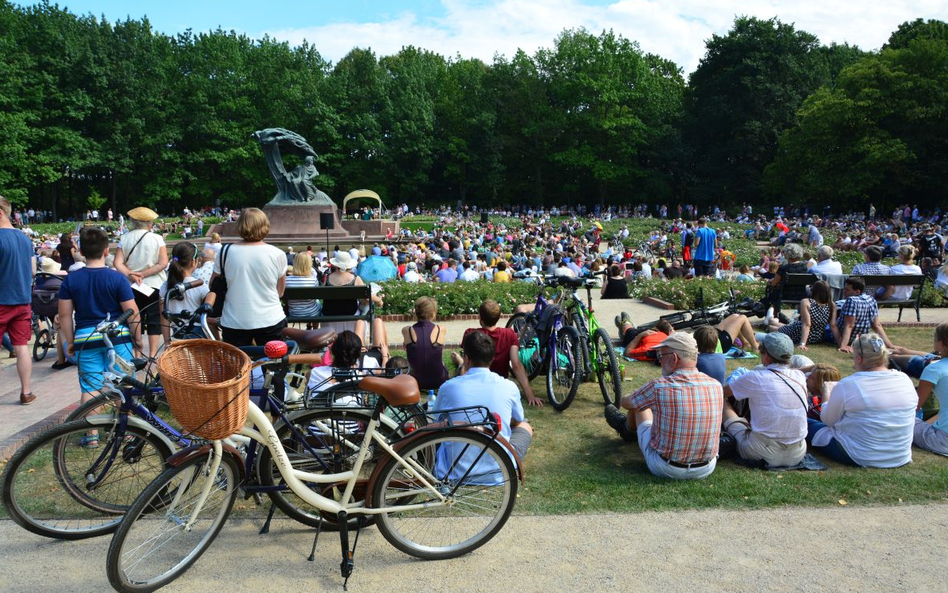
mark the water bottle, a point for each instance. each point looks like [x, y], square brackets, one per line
[430, 402]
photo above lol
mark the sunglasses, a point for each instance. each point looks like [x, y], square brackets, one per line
[875, 343]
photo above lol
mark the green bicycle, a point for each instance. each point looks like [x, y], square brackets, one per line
[597, 356]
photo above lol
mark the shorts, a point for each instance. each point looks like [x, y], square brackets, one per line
[917, 364]
[726, 340]
[757, 447]
[16, 320]
[662, 468]
[247, 337]
[930, 438]
[148, 311]
[520, 440]
[92, 357]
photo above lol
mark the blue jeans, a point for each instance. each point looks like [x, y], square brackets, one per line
[833, 449]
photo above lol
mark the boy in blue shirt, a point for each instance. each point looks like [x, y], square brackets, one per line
[95, 293]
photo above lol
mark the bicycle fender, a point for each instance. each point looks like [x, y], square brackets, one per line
[370, 485]
[189, 453]
[104, 420]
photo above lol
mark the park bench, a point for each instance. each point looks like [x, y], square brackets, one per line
[916, 280]
[329, 293]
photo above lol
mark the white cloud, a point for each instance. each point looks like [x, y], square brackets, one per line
[674, 29]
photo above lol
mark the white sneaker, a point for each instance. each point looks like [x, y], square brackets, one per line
[769, 316]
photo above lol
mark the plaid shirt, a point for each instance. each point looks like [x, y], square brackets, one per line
[687, 408]
[864, 308]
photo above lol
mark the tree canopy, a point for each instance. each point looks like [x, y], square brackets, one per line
[92, 110]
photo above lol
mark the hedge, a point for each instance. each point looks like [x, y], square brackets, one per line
[683, 294]
[457, 298]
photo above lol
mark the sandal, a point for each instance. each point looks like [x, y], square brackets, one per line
[58, 366]
[90, 441]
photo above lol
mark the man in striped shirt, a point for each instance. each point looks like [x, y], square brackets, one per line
[677, 418]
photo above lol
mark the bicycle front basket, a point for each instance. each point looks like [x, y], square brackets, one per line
[207, 385]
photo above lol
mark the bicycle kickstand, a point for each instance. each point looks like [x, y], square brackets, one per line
[348, 556]
[266, 525]
[319, 529]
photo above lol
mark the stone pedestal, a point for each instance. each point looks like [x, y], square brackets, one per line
[300, 223]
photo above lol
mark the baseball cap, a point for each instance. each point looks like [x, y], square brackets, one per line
[779, 346]
[681, 342]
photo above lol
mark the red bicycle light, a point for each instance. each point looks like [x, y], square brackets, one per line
[275, 349]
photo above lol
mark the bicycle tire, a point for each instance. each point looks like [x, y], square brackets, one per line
[151, 536]
[585, 360]
[41, 345]
[336, 425]
[562, 378]
[104, 404]
[607, 371]
[524, 324]
[45, 489]
[458, 527]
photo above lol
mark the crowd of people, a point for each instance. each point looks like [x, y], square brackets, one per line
[771, 414]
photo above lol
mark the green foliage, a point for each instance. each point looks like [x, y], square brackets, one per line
[685, 294]
[457, 298]
[95, 200]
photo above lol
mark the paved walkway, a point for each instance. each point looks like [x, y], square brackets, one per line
[58, 391]
[841, 549]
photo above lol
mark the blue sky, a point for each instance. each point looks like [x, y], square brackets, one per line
[675, 29]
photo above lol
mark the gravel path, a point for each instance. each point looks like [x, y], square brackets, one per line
[841, 549]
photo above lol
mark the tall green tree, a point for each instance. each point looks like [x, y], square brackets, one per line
[744, 93]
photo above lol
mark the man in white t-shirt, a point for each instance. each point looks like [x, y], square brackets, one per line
[825, 264]
[776, 433]
[411, 273]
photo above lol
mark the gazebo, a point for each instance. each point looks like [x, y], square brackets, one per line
[362, 194]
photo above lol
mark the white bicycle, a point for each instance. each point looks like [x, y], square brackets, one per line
[436, 492]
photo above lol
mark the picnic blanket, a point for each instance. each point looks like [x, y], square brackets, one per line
[737, 353]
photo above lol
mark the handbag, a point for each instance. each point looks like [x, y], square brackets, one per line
[219, 286]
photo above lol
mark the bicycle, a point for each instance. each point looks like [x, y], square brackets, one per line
[596, 352]
[421, 482]
[44, 303]
[551, 344]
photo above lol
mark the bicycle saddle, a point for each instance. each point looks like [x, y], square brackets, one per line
[400, 390]
[310, 339]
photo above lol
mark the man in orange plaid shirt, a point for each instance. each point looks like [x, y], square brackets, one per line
[676, 418]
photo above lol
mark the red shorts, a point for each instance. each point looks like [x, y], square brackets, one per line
[16, 321]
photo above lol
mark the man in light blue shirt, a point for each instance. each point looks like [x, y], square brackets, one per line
[477, 385]
[704, 247]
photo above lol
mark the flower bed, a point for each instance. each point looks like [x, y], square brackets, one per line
[457, 298]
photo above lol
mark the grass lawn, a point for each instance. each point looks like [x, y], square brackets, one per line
[577, 464]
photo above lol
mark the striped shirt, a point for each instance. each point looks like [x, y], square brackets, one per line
[303, 308]
[687, 408]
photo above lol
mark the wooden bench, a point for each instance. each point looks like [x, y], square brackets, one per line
[916, 280]
[329, 293]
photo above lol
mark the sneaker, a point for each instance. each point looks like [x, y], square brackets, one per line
[27, 398]
[90, 441]
[58, 366]
[623, 319]
[619, 422]
[769, 316]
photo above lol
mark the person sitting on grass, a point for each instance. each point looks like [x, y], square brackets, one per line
[675, 418]
[858, 314]
[776, 432]
[869, 418]
[933, 434]
[507, 354]
[816, 314]
[477, 385]
[820, 380]
[710, 362]
[95, 293]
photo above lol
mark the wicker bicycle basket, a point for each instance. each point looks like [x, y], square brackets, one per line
[207, 384]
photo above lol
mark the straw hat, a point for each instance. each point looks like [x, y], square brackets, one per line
[142, 214]
[343, 261]
[50, 266]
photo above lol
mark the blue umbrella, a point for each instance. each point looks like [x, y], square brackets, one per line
[377, 268]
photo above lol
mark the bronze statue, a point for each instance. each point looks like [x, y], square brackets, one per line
[296, 186]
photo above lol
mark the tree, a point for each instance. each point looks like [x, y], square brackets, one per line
[743, 95]
[918, 29]
[880, 135]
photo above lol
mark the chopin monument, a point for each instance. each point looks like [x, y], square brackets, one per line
[300, 211]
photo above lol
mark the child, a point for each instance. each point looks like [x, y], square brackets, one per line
[819, 383]
[184, 260]
[95, 293]
[710, 362]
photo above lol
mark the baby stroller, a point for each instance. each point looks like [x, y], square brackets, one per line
[45, 306]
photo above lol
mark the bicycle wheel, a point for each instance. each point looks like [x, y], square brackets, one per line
[474, 473]
[584, 360]
[153, 545]
[104, 404]
[41, 345]
[55, 487]
[528, 342]
[562, 374]
[607, 368]
[334, 437]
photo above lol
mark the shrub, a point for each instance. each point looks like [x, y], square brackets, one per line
[684, 294]
[457, 298]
